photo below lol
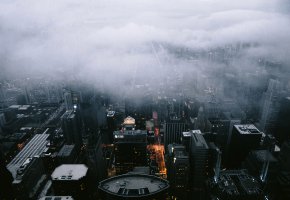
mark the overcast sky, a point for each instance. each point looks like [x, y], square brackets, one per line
[94, 38]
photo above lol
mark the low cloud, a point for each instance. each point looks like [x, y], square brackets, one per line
[116, 42]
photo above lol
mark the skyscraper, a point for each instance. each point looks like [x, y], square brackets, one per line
[173, 131]
[178, 167]
[270, 106]
[71, 127]
[130, 147]
[245, 138]
[68, 100]
[198, 159]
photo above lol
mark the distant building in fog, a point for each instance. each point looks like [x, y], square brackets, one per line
[270, 106]
[68, 100]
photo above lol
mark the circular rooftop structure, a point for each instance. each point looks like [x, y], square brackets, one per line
[134, 186]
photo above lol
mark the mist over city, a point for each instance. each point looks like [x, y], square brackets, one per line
[191, 98]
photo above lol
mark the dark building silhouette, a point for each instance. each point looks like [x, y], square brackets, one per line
[282, 128]
[6, 180]
[173, 129]
[71, 126]
[245, 138]
[178, 167]
[199, 151]
[130, 147]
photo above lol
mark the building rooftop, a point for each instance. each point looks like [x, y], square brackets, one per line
[199, 140]
[56, 198]
[111, 113]
[133, 185]
[130, 132]
[238, 183]
[35, 147]
[247, 129]
[69, 172]
[186, 134]
[66, 150]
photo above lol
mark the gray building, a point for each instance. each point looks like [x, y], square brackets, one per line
[27, 167]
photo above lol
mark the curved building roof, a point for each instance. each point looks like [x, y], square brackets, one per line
[134, 185]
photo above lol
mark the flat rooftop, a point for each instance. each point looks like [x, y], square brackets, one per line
[66, 150]
[134, 185]
[56, 198]
[35, 147]
[247, 129]
[69, 172]
[130, 132]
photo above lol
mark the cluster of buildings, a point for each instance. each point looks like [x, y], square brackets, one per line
[76, 143]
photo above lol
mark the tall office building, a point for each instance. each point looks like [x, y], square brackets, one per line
[71, 126]
[245, 138]
[199, 151]
[2, 96]
[68, 100]
[282, 128]
[130, 147]
[173, 129]
[270, 106]
[178, 167]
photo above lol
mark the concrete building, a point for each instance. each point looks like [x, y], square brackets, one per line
[71, 180]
